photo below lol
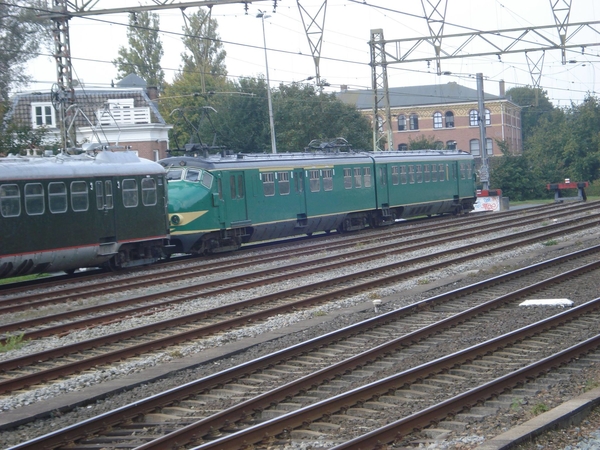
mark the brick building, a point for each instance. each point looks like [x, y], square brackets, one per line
[448, 114]
[123, 115]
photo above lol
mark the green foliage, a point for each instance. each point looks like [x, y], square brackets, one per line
[425, 143]
[145, 50]
[23, 34]
[535, 103]
[12, 343]
[539, 409]
[204, 51]
[16, 139]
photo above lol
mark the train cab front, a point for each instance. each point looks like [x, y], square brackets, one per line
[192, 213]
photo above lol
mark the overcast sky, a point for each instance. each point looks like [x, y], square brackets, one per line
[345, 53]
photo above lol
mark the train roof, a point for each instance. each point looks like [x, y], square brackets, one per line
[306, 160]
[104, 163]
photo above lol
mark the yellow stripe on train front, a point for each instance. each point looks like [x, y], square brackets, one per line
[181, 219]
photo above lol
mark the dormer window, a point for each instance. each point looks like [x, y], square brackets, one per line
[42, 115]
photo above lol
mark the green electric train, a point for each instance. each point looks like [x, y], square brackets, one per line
[219, 202]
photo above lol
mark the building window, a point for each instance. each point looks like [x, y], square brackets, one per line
[42, 115]
[401, 122]
[413, 123]
[473, 118]
[488, 117]
[402, 147]
[449, 119]
[380, 124]
[489, 149]
[474, 146]
[451, 145]
[437, 120]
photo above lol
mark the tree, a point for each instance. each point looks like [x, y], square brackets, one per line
[424, 143]
[22, 35]
[145, 50]
[535, 104]
[204, 51]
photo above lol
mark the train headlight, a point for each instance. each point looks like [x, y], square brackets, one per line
[175, 219]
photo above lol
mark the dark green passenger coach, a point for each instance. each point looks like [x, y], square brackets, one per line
[217, 203]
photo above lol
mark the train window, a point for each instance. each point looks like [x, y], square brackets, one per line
[232, 186]
[10, 200]
[240, 182]
[328, 179]
[419, 173]
[441, 173]
[79, 196]
[57, 197]
[130, 193]
[99, 195]
[403, 176]
[174, 174]
[268, 179]
[427, 173]
[108, 195]
[34, 199]
[434, 172]
[367, 176]
[149, 191]
[207, 179]
[314, 180]
[220, 188]
[395, 176]
[283, 181]
[357, 177]
[383, 176]
[299, 181]
[348, 178]
[192, 175]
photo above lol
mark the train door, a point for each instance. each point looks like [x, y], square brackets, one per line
[105, 221]
[381, 186]
[235, 199]
[298, 196]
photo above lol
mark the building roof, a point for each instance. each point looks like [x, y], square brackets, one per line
[434, 94]
[88, 100]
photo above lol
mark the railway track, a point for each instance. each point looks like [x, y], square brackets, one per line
[344, 394]
[27, 371]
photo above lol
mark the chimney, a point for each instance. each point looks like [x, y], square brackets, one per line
[502, 89]
[152, 92]
[343, 87]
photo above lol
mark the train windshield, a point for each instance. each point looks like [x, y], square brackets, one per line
[191, 174]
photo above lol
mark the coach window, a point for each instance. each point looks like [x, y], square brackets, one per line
[433, 173]
[395, 176]
[473, 118]
[419, 173]
[130, 193]
[314, 180]
[413, 122]
[79, 196]
[383, 175]
[149, 191]
[441, 173]
[403, 175]
[10, 200]
[401, 122]
[57, 197]
[108, 195]
[474, 146]
[357, 177]
[449, 119]
[411, 174]
[99, 195]
[220, 188]
[283, 181]
[367, 176]
[232, 186]
[348, 178]
[328, 179]
[299, 182]
[268, 179]
[34, 199]
[427, 173]
[437, 120]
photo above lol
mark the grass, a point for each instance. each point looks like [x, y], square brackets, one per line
[23, 278]
[12, 343]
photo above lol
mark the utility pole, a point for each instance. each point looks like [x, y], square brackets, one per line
[484, 173]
